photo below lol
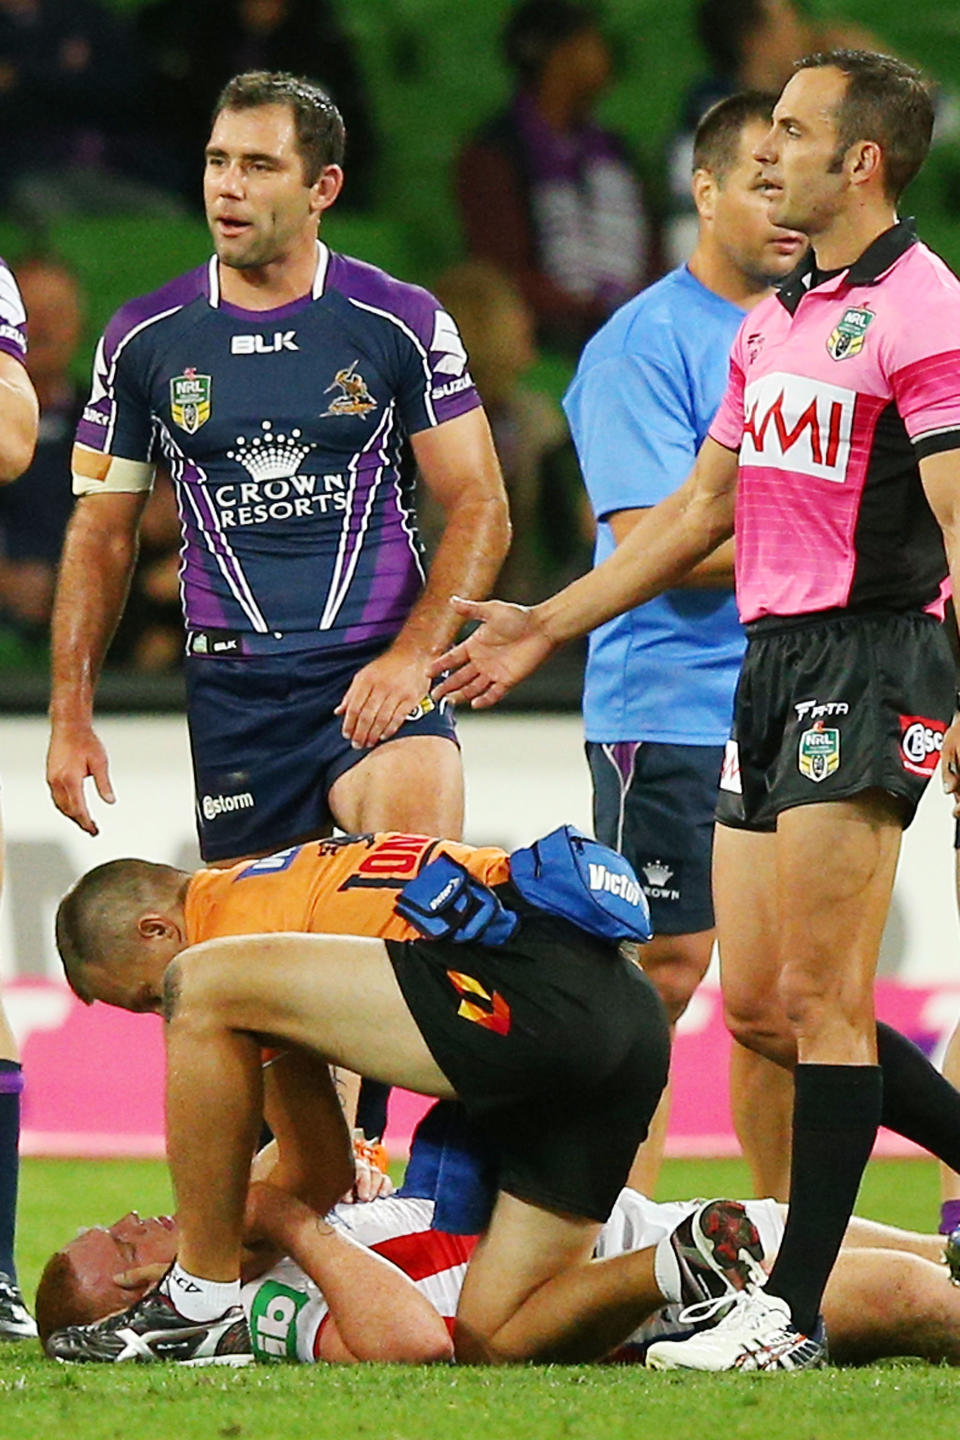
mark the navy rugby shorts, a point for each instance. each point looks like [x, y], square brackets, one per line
[267, 746]
[655, 803]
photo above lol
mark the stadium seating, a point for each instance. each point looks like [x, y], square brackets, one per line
[434, 75]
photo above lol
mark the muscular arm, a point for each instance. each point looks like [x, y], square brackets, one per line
[659, 550]
[715, 572]
[19, 416]
[376, 1312]
[460, 469]
[940, 475]
[99, 553]
[312, 1154]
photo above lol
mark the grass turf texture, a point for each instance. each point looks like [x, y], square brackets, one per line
[38, 1399]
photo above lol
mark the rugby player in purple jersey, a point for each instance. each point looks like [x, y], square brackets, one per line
[292, 392]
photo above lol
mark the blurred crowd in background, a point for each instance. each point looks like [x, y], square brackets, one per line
[528, 162]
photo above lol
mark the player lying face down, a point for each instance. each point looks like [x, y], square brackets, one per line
[552, 1038]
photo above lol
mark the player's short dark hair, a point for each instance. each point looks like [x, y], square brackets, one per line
[722, 27]
[321, 133]
[717, 142]
[535, 28]
[886, 101]
[93, 919]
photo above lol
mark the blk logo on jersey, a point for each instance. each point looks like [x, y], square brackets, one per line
[493, 1014]
[263, 344]
[847, 339]
[794, 423]
[354, 397]
[921, 741]
[190, 400]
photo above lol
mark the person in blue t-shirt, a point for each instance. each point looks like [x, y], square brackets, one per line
[660, 679]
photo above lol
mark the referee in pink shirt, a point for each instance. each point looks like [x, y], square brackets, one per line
[836, 456]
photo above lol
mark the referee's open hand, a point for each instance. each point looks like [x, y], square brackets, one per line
[506, 646]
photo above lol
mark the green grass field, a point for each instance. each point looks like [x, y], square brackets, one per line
[902, 1398]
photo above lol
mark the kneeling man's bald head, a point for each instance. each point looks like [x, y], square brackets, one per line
[116, 918]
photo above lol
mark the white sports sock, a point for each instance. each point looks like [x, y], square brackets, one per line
[197, 1299]
[666, 1270]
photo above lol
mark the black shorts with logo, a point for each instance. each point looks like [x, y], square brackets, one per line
[831, 705]
[655, 803]
[267, 746]
[556, 1044]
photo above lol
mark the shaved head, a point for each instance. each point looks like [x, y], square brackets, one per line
[97, 919]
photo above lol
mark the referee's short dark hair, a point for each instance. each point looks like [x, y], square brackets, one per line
[716, 145]
[321, 133]
[886, 101]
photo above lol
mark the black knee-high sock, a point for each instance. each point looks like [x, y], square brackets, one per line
[11, 1084]
[917, 1101]
[836, 1111]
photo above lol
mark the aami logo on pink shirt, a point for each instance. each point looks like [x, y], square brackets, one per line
[792, 423]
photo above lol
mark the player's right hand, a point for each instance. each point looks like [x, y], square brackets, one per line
[75, 752]
[506, 647]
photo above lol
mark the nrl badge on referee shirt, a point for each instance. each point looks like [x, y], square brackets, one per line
[190, 400]
[847, 338]
[819, 753]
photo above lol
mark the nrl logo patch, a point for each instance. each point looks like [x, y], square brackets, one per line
[847, 338]
[190, 400]
[819, 753]
[354, 397]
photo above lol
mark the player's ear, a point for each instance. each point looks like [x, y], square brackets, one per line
[154, 925]
[704, 189]
[326, 188]
[864, 161]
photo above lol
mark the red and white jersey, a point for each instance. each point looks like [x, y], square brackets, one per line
[837, 389]
[286, 1310]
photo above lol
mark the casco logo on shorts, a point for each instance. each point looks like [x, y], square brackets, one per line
[214, 805]
[794, 423]
[921, 741]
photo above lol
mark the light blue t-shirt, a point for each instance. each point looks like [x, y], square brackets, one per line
[639, 407]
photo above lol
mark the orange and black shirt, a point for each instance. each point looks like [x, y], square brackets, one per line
[344, 886]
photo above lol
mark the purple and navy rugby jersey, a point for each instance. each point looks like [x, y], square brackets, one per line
[286, 434]
[13, 317]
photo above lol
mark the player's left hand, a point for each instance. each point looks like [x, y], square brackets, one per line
[950, 764]
[383, 695]
[140, 1278]
[371, 1181]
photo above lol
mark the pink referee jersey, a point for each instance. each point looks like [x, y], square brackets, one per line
[837, 389]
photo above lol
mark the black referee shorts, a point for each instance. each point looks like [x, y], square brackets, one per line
[830, 706]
